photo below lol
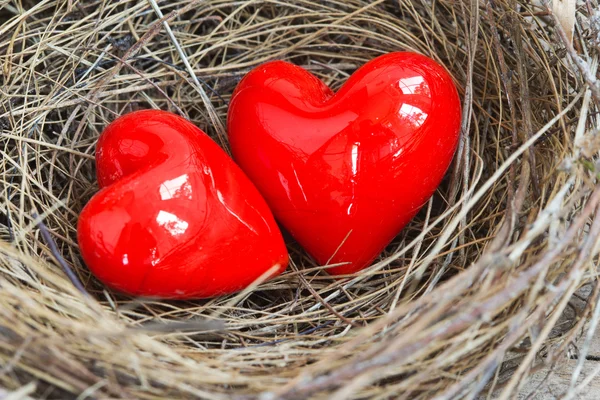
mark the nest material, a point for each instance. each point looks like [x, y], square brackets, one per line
[467, 301]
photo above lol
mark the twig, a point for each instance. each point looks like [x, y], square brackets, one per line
[58, 257]
[325, 303]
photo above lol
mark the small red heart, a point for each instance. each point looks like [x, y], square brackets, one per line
[175, 218]
[345, 172]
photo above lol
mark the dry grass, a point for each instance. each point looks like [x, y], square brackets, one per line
[466, 301]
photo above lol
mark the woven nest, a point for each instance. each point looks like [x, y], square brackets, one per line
[470, 299]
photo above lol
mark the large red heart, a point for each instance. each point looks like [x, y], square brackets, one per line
[345, 172]
[176, 218]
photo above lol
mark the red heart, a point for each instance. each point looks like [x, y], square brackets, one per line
[345, 172]
[176, 218]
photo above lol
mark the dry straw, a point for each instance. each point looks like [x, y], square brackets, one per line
[474, 296]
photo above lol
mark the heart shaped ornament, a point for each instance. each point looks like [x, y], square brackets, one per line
[175, 217]
[345, 172]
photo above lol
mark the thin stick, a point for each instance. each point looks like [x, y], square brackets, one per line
[59, 258]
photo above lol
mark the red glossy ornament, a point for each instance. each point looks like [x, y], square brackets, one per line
[176, 218]
[345, 172]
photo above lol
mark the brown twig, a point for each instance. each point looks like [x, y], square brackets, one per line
[325, 304]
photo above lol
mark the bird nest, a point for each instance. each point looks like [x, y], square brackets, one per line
[473, 296]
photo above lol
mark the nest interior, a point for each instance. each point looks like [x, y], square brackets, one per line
[469, 299]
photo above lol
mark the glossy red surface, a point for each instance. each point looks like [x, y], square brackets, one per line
[176, 218]
[345, 172]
